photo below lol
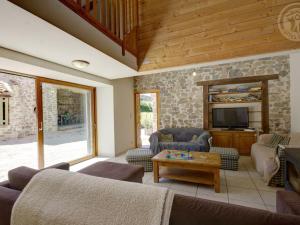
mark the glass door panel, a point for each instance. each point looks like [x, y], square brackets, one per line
[67, 123]
[18, 123]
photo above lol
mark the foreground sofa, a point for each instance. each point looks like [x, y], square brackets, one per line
[21, 176]
[181, 140]
[193, 211]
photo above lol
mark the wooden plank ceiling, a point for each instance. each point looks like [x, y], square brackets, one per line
[180, 32]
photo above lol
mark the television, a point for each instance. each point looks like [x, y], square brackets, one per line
[230, 117]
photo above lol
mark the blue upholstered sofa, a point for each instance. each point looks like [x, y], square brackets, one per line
[181, 140]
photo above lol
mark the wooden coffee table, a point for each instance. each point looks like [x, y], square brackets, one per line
[203, 168]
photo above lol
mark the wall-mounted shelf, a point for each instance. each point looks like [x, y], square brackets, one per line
[213, 92]
[235, 102]
[236, 93]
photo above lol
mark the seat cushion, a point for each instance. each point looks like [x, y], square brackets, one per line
[19, 177]
[117, 171]
[226, 153]
[8, 198]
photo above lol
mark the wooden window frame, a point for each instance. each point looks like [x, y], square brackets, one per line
[39, 102]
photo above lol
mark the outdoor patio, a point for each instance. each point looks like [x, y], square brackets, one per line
[60, 146]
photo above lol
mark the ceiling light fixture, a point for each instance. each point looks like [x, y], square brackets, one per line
[80, 64]
[194, 73]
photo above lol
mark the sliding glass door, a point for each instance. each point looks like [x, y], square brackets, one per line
[66, 122]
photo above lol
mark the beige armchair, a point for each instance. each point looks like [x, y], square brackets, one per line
[261, 155]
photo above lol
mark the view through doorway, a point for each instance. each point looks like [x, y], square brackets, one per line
[147, 116]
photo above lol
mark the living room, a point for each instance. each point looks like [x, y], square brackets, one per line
[185, 109]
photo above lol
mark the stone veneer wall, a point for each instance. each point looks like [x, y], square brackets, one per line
[22, 117]
[181, 99]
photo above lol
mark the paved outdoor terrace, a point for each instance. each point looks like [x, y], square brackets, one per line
[60, 146]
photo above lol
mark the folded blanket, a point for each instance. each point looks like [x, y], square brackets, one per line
[56, 197]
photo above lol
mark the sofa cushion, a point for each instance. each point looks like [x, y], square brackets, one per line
[275, 141]
[165, 137]
[117, 171]
[7, 199]
[187, 146]
[19, 177]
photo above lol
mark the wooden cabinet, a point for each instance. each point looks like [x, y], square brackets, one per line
[241, 140]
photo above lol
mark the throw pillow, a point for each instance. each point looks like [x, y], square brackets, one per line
[194, 138]
[285, 140]
[275, 141]
[165, 137]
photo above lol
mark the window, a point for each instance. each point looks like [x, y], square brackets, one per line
[3, 111]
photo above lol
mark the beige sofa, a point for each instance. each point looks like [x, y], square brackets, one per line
[264, 157]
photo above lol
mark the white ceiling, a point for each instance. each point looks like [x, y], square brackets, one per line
[23, 32]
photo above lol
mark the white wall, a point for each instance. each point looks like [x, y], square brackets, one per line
[105, 116]
[124, 114]
[295, 90]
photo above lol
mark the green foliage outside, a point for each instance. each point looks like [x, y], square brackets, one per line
[146, 106]
[146, 120]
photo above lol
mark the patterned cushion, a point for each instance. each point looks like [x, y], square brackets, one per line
[285, 140]
[140, 157]
[229, 157]
[226, 153]
[139, 154]
[275, 141]
[165, 137]
[186, 146]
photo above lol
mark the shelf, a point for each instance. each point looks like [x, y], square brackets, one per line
[234, 102]
[235, 93]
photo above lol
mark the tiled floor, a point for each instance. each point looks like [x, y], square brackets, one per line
[244, 187]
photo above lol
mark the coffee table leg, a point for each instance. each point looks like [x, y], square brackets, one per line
[155, 172]
[217, 181]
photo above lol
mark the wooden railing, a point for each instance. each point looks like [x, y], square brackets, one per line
[117, 19]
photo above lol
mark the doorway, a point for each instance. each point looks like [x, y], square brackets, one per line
[147, 116]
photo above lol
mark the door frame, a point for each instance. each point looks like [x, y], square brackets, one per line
[137, 112]
[39, 104]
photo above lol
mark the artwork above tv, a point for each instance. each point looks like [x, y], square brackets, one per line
[230, 118]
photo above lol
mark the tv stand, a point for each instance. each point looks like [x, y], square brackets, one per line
[239, 139]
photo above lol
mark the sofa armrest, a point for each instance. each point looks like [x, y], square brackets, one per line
[154, 143]
[264, 138]
[196, 211]
[8, 198]
[5, 184]
[61, 166]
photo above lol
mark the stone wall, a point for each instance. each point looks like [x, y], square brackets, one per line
[50, 108]
[22, 103]
[181, 99]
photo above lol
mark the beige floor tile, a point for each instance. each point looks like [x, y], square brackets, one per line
[184, 187]
[268, 197]
[237, 173]
[236, 181]
[212, 197]
[260, 185]
[204, 190]
[244, 194]
[192, 194]
[248, 204]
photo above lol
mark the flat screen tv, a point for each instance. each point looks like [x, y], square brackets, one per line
[230, 117]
